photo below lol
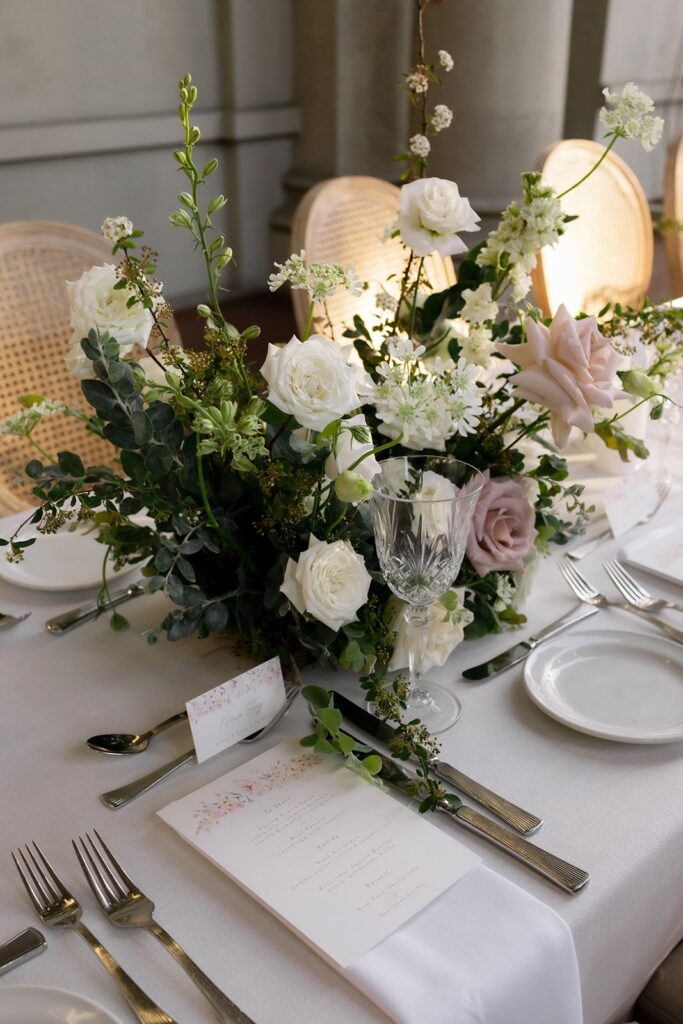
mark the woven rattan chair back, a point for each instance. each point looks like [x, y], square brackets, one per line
[606, 255]
[36, 258]
[344, 220]
[673, 210]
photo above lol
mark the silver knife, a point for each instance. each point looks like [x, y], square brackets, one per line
[556, 870]
[67, 620]
[521, 820]
[21, 948]
[520, 651]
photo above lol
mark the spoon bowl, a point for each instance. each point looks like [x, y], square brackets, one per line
[131, 742]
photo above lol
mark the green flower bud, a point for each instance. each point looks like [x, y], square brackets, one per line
[351, 486]
[637, 383]
[187, 200]
[203, 311]
[209, 168]
[180, 219]
[195, 135]
[217, 203]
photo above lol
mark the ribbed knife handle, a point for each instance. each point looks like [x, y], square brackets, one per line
[120, 797]
[519, 819]
[567, 876]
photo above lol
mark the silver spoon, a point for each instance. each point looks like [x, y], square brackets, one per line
[131, 743]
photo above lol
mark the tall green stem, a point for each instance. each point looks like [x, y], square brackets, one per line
[593, 168]
[40, 450]
[230, 542]
[309, 320]
[413, 311]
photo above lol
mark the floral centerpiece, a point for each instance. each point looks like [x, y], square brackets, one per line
[253, 484]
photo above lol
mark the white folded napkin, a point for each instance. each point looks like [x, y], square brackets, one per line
[485, 952]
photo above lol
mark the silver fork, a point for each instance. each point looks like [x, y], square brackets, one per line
[587, 593]
[577, 553]
[127, 906]
[7, 621]
[57, 908]
[634, 593]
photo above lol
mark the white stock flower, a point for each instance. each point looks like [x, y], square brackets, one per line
[525, 228]
[477, 345]
[479, 305]
[116, 228]
[444, 631]
[431, 213]
[420, 146]
[311, 380]
[442, 117]
[329, 582]
[348, 450]
[417, 81]
[629, 116]
[521, 282]
[96, 303]
[445, 60]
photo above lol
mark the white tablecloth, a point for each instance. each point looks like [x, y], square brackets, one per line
[616, 810]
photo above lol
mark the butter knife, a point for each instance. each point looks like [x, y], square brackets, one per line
[521, 820]
[522, 650]
[556, 870]
[21, 948]
[67, 620]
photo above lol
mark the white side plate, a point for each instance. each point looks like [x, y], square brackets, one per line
[616, 685]
[35, 1004]
[59, 561]
[659, 552]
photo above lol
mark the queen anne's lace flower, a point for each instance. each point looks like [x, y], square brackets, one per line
[420, 146]
[320, 280]
[445, 60]
[23, 422]
[116, 228]
[442, 117]
[629, 116]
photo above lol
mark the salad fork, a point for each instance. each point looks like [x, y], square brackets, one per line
[127, 906]
[663, 487]
[587, 593]
[7, 621]
[57, 908]
[634, 593]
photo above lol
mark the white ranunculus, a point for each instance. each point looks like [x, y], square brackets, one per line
[437, 493]
[95, 303]
[311, 380]
[444, 631]
[329, 582]
[348, 450]
[431, 212]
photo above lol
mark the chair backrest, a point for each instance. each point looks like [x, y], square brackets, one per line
[673, 210]
[344, 220]
[36, 258]
[606, 255]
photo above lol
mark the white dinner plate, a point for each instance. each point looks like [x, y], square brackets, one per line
[616, 685]
[68, 560]
[659, 552]
[38, 1004]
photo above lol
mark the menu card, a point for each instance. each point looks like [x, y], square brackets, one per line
[630, 500]
[339, 860]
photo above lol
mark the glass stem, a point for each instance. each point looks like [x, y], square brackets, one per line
[417, 617]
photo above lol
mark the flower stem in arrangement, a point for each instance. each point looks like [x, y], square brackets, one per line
[236, 548]
[588, 174]
[309, 320]
[41, 450]
[413, 310]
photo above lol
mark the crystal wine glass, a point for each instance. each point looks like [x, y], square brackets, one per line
[422, 507]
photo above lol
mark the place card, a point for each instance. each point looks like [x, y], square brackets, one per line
[630, 500]
[337, 859]
[229, 712]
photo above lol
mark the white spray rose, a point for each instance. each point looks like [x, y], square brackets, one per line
[431, 212]
[311, 380]
[445, 629]
[95, 303]
[348, 449]
[329, 581]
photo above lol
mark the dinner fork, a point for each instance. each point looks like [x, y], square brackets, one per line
[663, 487]
[587, 593]
[127, 906]
[7, 621]
[634, 593]
[57, 908]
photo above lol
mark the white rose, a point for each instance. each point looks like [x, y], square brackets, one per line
[311, 380]
[329, 581]
[95, 303]
[348, 450]
[430, 213]
[437, 492]
[444, 631]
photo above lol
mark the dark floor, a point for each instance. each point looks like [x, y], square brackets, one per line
[273, 312]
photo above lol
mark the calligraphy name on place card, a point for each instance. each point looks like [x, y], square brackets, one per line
[339, 860]
[229, 712]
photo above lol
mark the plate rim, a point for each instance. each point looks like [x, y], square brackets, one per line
[63, 992]
[7, 576]
[597, 732]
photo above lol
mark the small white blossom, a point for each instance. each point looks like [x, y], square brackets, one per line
[402, 349]
[477, 345]
[442, 117]
[320, 280]
[525, 228]
[23, 422]
[420, 146]
[521, 283]
[445, 60]
[116, 228]
[417, 81]
[479, 304]
[629, 116]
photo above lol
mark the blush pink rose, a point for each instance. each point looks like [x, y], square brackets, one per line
[568, 368]
[502, 531]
